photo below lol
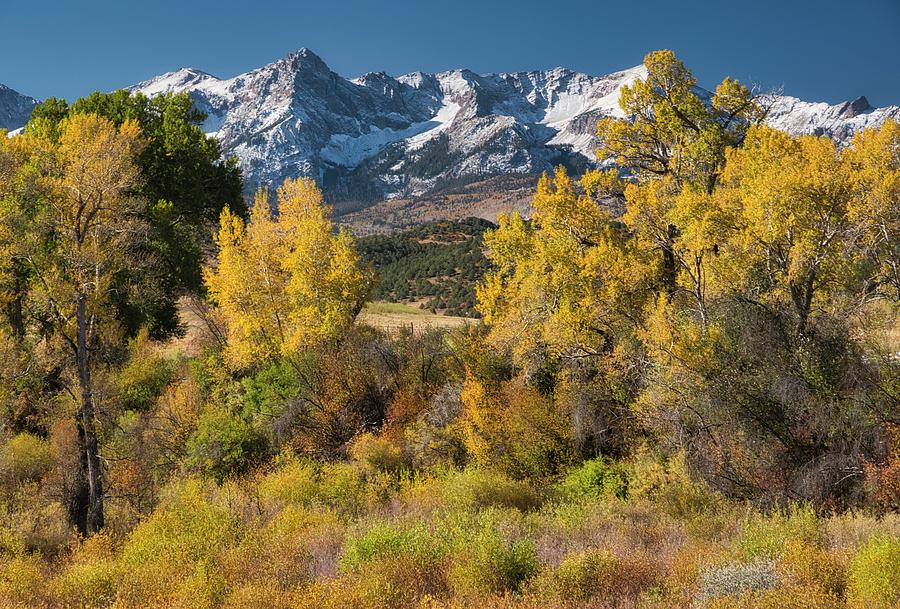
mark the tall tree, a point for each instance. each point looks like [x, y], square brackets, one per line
[673, 141]
[285, 283]
[84, 230]
[184, 187]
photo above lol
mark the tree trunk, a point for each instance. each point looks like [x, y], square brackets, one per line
[670, 265]
[89, 487]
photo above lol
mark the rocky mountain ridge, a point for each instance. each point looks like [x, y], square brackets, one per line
[381, 137]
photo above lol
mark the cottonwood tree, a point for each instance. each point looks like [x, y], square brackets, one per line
[285, 283]
[289, 288]
[82, 232]
[672, 145]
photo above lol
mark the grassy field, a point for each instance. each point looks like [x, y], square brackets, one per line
[393, 316]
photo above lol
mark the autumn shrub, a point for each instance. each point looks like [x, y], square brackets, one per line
[492, 556]
[377, 453]
[807, 567]
[279, 555]
[580, 576]
[142, 380]
[259, 596]
[436, 437]
[874, 574]
[515, 429]
[22, 581]
[471, 490]
[669, 485]
[848, 531]
[292, 482]
[90, 579]
[343, 488]
[883, 479]
[778, 598]
[593, 479]
[397, 563]
[734, 578]
[170, 557]
[24, 457]
[386, 540]
[224, 444]
[768, 535]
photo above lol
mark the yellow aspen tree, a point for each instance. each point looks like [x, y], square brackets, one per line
[874, 156]
[671, 143]
[790, 241]
[285, 282]
[561, 281]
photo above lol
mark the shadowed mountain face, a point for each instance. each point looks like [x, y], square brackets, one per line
[15, 108]
[380, 137]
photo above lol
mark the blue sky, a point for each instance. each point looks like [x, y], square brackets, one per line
[828, 50]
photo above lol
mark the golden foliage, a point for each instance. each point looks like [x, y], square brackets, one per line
[285, 283]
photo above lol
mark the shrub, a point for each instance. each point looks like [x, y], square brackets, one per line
[733, 579]
[377, 453]
[471, 490]
[224, 444]
[293, 482]
[596, 574]
[168, 558]
[23, 458]
[515, 429]
[581, 575]
[145, 376]
[87, 585]
[779, 598]
[491, 557]
[874, 575]
[91, 578]
[396, 563]
[668, 484]
[806, 567]
[767, 536]
[259, 596]
[386, 540]
[342, 488]
[21, 581]
[597, 478]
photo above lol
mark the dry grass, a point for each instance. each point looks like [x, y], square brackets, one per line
[391, 317]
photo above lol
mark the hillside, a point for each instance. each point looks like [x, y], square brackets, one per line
[434, 266]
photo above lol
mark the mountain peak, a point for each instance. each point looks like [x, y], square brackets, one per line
[856, 107]
[15, 108]
[173, 82]
[304, 58]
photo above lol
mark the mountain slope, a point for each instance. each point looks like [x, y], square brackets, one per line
[15, 108]
[378, 137]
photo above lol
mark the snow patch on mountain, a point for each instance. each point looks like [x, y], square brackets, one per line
[838, 121]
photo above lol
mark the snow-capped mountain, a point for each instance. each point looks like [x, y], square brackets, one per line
[15, 108]
[838, 121]
[378, 136]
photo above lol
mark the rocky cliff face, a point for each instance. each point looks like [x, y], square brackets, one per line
[15, 108]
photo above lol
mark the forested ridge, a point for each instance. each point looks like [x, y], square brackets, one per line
[683, 390]
[435, 265]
